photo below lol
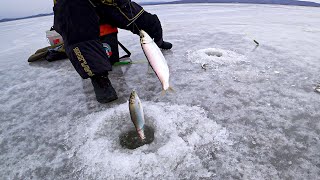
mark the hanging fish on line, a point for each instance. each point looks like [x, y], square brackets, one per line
[156, 60]
[136, 113]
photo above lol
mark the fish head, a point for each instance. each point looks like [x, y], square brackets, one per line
[144, 37]
[133, 97]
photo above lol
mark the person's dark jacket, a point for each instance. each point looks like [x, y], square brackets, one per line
[78, 21]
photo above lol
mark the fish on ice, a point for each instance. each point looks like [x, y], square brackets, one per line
[136, 113]
[156, 59]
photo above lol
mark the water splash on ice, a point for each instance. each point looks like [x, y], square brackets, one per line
[180, 132]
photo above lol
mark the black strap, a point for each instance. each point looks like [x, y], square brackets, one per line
[125, 49]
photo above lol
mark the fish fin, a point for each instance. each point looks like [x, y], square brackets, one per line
[150, 70]
[171, 89]
[163, 92]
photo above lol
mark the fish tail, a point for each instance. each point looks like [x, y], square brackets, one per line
[171, 89]
[141, 134]
[163, 92]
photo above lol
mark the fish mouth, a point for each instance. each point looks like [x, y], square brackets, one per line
[141, 34]
[132, 97]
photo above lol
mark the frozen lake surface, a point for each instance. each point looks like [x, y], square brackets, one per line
[250, 113]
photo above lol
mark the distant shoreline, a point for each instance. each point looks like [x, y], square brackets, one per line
[28, 17]
[277, 2]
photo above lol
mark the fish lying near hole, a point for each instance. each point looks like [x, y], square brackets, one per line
[136, 113]
[156, 60]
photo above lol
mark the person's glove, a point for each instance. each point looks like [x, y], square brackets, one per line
[50, 53]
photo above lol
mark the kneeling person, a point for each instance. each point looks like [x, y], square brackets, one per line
[78, 23]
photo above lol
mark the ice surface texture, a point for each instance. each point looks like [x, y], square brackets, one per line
[181, 134]
[214, 56]
[256, 117]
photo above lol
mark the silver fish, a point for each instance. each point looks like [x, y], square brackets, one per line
[156, 59]
[136, 113]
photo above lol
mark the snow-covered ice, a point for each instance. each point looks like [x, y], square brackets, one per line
[176, 143]
[252, 114]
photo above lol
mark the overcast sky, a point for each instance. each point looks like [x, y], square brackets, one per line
[22, 8]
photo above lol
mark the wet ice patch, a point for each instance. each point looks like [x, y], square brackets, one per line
[214, 56]
[181, 132]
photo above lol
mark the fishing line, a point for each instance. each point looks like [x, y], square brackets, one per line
[136, 26]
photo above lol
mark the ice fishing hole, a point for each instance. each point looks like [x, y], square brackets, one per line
[213, 53]
[131, 140]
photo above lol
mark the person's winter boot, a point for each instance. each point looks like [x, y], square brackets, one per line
[103, 89]
[164, 45]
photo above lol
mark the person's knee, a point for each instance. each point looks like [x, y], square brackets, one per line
[76, 21]
[151, 24]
